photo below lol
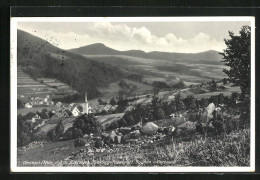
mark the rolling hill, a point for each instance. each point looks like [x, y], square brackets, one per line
[159, 66]
[207, 57]
[40, 59]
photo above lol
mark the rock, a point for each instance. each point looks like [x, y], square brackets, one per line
[188, 125]
[124, 130]
[112, 136]
[210, 108]
[86, 136]
[135, 134]
[99, 143]
[118, 139]
[149, 129]
[80, 142]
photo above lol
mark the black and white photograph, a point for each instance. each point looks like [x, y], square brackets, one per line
[133, 94]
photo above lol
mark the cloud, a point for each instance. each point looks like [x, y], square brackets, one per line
[121, 37]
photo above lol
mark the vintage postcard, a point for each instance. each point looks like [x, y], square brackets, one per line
[133, 94]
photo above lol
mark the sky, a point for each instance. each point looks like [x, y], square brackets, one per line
[183, 37]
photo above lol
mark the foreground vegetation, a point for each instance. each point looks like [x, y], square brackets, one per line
[192, 149]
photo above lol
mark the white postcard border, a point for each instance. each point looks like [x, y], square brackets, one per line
[13, 94]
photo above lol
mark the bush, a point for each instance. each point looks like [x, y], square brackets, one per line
[23, 139]
[72, 133]
[56, 133]
[99, 143]
[24, 131]
[87, 124]
[79, 142]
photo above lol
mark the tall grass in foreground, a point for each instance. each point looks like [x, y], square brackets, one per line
[223, 150]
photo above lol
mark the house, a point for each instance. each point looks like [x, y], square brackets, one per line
[66, 113]
[55, 116]
[76, 111]
[34, 118]
[28, 105]
[71, 106]
[58, 104]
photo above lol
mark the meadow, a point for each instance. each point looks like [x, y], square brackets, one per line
[190, 149]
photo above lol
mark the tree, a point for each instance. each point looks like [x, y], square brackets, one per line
[189, 102]
[158, 113]
[225, 81]
[87, 124]
[237, 57]
[57, 132]
[129, 118]
[113, 101]
[213, 86]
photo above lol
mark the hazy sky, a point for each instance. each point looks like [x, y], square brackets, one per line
[147, 36]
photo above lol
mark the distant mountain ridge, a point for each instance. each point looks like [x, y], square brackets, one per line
[100, 49]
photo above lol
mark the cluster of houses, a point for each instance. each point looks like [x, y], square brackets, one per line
[75, 109]
[38, 101]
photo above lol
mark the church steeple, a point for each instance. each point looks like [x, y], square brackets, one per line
[85, 106]
[86, 98]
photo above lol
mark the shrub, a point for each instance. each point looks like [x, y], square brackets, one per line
[79, 142]
[23, 139]
[24, 131]
[99, 143]
[72, 133]
[87, 124]
[56, 133]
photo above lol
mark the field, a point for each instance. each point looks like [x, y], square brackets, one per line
[164, 70]
[24, 111]
[113, 89]
[26, 86]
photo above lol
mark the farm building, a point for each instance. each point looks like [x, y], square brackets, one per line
[76, 111]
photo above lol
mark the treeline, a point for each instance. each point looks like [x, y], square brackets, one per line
[160, 109]
[69, 98]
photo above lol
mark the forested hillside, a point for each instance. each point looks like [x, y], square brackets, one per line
[41, 59]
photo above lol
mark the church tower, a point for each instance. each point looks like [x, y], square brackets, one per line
[85, 106]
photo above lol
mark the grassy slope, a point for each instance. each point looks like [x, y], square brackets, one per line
[188, 150]
[152, 68]
[113, 89]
